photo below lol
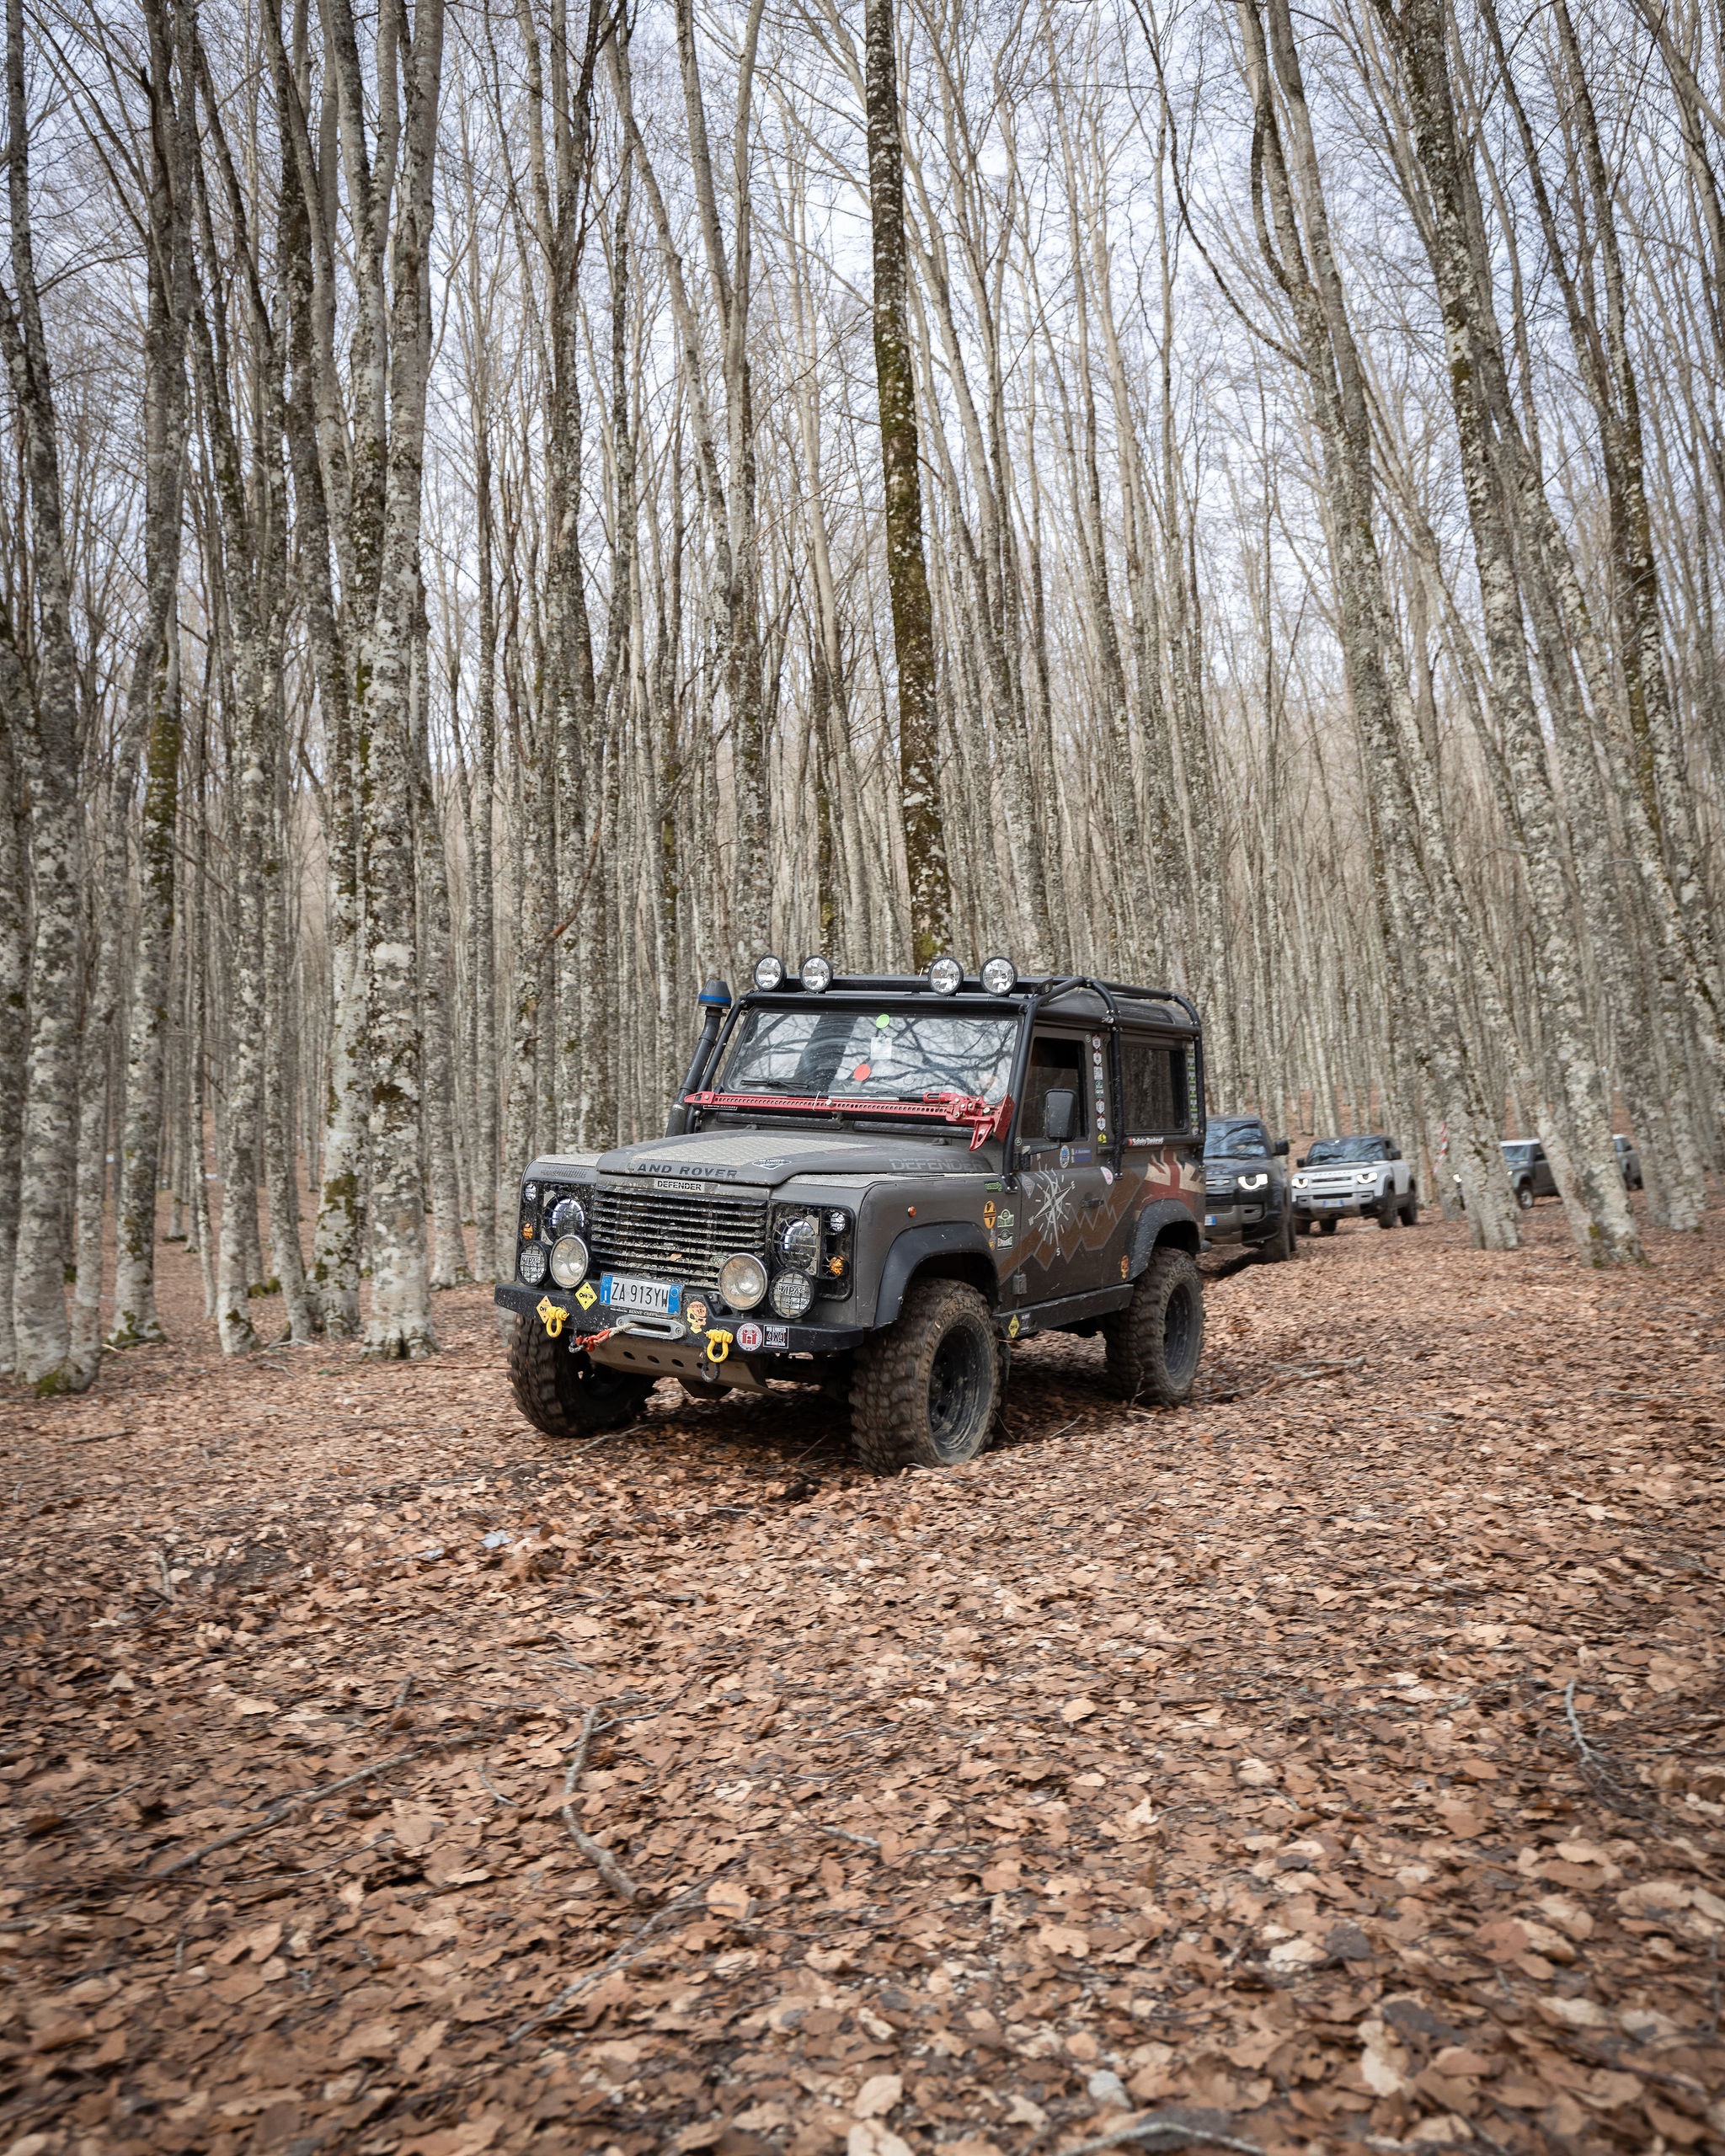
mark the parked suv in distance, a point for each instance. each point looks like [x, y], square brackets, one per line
[879, 1183]
[1355, 1178]
[1529, 1172]
[1629, 1161]
[1245, 1198]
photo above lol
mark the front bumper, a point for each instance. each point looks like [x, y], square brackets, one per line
[1327, 1205]
[1226, 1223]
[779, 1338]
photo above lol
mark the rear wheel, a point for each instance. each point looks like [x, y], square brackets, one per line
[925, 1391]
[564, 1393]
[1155, 1343]
[1328, 1227]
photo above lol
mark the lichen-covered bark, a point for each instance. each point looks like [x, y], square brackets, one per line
[14, 969]
[907, 571]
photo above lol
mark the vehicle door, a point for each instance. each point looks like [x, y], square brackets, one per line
[1545, 1183]
[1065, 1181]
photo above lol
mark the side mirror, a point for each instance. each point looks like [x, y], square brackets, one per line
[1395, 1153]
[1060, 1115]
[1300, 1162]
[1280, 1150]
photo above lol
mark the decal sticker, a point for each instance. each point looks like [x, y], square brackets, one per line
[748, 1337]
[1053, 1201]
[1081, 1154]
[988, 1213]
[526, 1231]
[696, 1315]
[1003, 1221]
[1108, 1173]
[1011, 1328]
[862, 1070]
[992, 1186]
[1122, 1265]
[1066, 1157]
[586, 1296]
[552, 1315]
[718, 1345]
[1096, 1040]
[778, 1335]
[882, 1021]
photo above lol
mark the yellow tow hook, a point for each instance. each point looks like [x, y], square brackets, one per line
[718, 1345]
[552, 1315]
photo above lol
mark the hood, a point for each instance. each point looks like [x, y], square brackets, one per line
[769, 1156]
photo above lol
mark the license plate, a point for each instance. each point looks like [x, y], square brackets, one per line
[618, 1291]
[1209, 1220]
[1332, 1201]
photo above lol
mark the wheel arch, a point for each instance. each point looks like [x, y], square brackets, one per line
[945, 1249]
[1164, 1220]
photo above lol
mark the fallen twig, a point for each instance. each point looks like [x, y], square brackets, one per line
[601, 1858]
[1155, 2129]
[1595, 1770]
[167, 1588]
[565, 1999]
[94, 1437]
[278, 1812]
[101, 1800]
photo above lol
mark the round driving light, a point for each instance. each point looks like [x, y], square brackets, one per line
[792, 1293]
[946, 976]
[568, 1217]
[1000, 976]
[742, 1281]
[799, 1241]
[532, 1265]
[568, 1262]
[769, 972]
[816, 974]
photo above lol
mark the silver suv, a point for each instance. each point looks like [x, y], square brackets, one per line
[1354, 1179]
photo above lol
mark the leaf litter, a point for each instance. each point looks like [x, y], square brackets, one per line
[1337, 1764]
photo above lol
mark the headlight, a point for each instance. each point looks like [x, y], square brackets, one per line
[1302, 1182]
[798, 1241]
[742, 1281]
[769, 972]
[1000, 976]
[532, 1265]
[1253, 1182]
[568, 1217]
[1365, 1175]
[816, 974]
[946, 976]
[568, 1262]
[792, 1293]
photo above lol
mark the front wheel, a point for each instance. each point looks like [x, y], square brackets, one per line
[1328, 1227]
[1154, 1344]
[925, 1391]
[1390, 1210]
[565, 1393]
[1524, 1196]
[1410, 1210]
[1280, 1246]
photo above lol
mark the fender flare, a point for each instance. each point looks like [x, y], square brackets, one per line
[1152, 1226]
[914, 1247]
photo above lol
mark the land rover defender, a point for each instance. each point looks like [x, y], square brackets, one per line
[879, 1182]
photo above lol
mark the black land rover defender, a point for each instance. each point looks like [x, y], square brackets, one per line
[880, 1182]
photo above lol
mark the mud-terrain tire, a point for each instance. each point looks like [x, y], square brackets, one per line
[924, 1392]
[1390, 1209]
[1328, 1225]
[1154, 1344]
[569, 1396]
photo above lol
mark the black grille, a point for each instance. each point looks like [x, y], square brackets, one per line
[685, 1238]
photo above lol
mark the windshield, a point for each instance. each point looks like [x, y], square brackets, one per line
[863, 1054]
[1237, 1141]
[1346, 1149]
[1518, 1150]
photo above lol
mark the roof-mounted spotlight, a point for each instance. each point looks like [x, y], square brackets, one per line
[1000, 976]
[816, 975]
[946, 976]
[769, 972]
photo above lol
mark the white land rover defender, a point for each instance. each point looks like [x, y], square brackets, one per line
[1352, 1179]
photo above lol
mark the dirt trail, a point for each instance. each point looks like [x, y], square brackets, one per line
[1340, 1763]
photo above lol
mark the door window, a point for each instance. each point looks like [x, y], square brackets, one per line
[1155, 1099]
[1057, 1067]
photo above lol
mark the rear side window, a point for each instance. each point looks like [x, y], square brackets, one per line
[1155, 1100]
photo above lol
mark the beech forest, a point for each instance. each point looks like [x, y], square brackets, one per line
[511, 511]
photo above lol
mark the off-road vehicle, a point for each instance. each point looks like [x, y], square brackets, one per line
[1345, 1178]
[1246, 1194]
[1530, 1172]
[879, 1183]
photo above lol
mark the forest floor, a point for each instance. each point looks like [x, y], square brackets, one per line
[1339, 1764]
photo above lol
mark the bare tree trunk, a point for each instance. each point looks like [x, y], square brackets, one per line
[14, 973]
[907, 572]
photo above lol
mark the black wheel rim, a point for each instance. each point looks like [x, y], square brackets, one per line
[1181, 1333]
[958, 1391]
